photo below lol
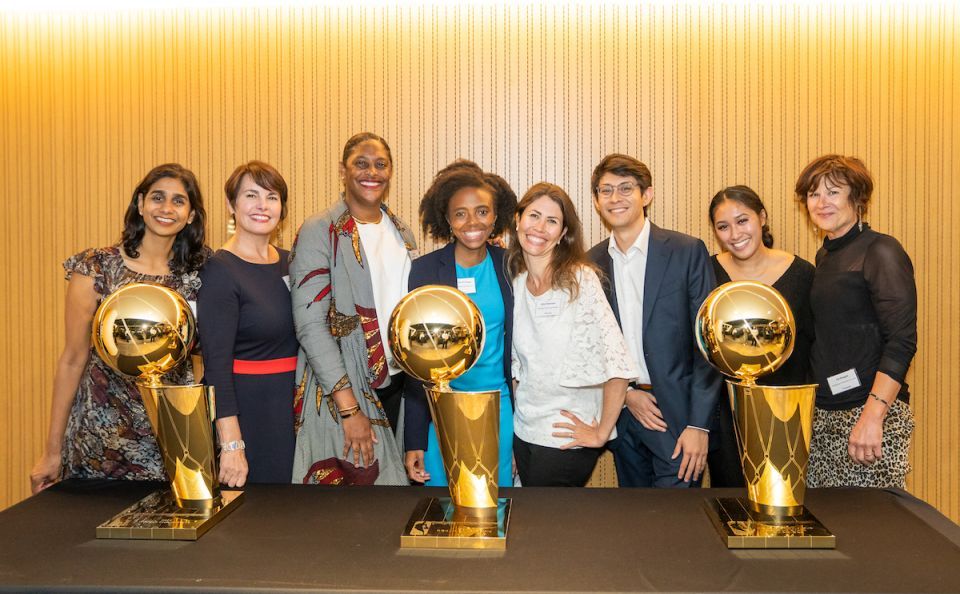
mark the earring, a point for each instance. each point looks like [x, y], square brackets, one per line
[231, 225]
[859, 218]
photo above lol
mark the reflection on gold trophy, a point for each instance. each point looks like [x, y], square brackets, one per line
[145, 330]
[746, 330]
[437, 334]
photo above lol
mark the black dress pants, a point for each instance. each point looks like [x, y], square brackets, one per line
[391, 398]
[541, 466]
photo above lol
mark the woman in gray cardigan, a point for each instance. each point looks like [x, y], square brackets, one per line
[348, 268]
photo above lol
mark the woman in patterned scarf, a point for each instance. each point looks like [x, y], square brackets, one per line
[348, 269]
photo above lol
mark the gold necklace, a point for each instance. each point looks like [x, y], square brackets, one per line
[363, 222]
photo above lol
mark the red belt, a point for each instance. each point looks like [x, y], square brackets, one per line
[265, 367]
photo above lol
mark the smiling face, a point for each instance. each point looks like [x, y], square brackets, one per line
[366, 174]
[540, 227]
[739, 228]
[165, 207]
[622, 212]
[471, 215]
[831, 208]
[257, 209]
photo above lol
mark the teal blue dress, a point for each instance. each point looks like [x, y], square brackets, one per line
[485, 375]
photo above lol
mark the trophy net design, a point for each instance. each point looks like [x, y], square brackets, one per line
[746, 330]
[143, 331]
[437, 334]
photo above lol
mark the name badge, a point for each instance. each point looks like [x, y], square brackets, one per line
[286, 281]
[193, 307]
[467, 285]
[548, 309]
[842, 382]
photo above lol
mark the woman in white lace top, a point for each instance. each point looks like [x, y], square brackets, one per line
[570, 361]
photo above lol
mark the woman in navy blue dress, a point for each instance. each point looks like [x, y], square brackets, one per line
[247, 336]
[465, 207]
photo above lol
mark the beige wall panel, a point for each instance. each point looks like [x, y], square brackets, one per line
[707, 95]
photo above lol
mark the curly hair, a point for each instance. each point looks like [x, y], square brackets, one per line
[451, 179]
[569, 255]
[189, 252]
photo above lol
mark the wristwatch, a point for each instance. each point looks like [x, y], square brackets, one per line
[232, 446]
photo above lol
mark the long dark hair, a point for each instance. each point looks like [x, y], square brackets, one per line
[568, 255]
[188, 247]
[747, 197]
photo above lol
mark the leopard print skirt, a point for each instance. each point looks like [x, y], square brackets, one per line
[831, 466]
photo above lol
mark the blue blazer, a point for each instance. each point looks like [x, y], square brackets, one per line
[440, 268]
[678, 279]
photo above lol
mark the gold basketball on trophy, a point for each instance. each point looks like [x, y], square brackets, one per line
[436, 334]
[144, 330]
[745, 329]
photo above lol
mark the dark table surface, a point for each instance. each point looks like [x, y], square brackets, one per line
[291, 537]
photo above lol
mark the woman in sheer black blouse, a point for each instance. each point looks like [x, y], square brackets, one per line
[864, 301]
[739, 222]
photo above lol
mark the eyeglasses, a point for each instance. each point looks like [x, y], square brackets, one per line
[624, 189]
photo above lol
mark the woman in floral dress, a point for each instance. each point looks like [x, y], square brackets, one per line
[98, 426]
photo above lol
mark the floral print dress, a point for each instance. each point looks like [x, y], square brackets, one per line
[108, 434]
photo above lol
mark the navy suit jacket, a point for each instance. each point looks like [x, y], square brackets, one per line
[440, 268]
[678, 279]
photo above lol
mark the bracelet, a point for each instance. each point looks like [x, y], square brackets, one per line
[875, 397]
[346, 413]
[233, 446]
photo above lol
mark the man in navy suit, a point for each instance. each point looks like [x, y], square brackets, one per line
[656, 281]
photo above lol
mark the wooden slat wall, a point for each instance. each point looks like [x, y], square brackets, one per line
[707, 95]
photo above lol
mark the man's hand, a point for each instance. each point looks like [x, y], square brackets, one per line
[693, 444]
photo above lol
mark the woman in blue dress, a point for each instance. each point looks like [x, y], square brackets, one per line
[246, 333]
[465, 207]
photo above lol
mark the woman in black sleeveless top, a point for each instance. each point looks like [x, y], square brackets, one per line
[739, 221]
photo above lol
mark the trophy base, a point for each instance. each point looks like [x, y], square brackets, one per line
[742, 528]
[158, 517]
[437, 524]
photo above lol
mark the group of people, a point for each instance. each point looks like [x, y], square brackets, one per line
[588, 349]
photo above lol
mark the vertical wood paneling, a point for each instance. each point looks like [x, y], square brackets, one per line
[707, 94]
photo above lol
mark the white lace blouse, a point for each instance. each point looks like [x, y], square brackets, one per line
[563, 352]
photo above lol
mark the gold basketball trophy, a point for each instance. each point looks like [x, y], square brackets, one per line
[746, 330]
[437, 334]
[144, 330]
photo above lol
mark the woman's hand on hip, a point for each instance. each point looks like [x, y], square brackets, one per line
[581, 434]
